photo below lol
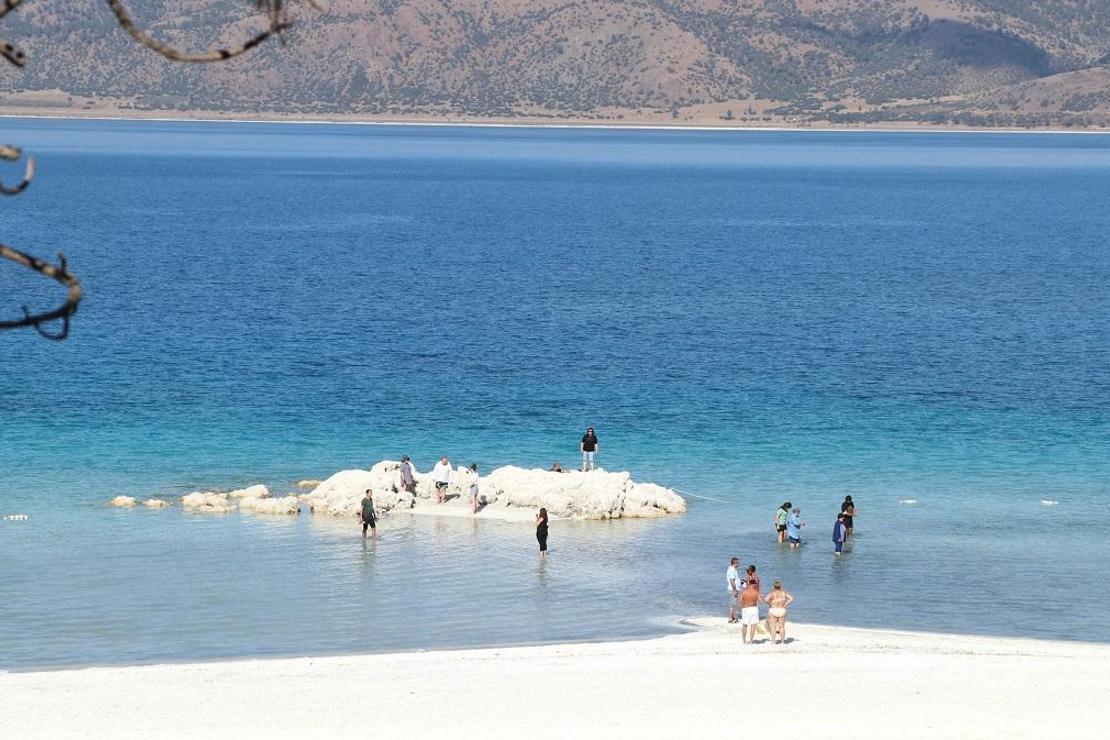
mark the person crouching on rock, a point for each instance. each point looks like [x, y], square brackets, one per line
[369, 519]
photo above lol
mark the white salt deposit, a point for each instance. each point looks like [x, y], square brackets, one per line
[256, 491]
[207, 502]
[288, 505]
[156, 503]
[123, 501]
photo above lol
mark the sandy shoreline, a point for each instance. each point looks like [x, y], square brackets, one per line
[829, 682]
[212, 117]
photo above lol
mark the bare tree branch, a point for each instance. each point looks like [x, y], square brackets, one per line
[279, 22]
[13, 153]
[8, 6]
[57, 272]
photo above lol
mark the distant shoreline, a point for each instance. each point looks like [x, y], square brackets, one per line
[202, 117]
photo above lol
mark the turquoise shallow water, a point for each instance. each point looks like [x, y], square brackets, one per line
[752, 317]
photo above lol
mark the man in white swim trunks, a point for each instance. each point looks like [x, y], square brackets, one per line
[749, 612]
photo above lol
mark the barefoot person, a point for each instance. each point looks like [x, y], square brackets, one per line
[367, 515]
[441, 476]
[780, 520]
[589, 447]
[732, 579]
[794, 526]
[839, 535]
[408, 480]
[778, 600]
[848, 509]
[474, 489]
[541, 532]
[749, 612]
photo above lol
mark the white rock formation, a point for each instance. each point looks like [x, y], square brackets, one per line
[208, 502]
[287, 505]
[341, 494]
[256, 491]
[156, 503]
[123, 501]
[575, 495]
[308, 483]
[571, 495]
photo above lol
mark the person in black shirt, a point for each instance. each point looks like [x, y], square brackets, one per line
[589, 448]
[369, 518]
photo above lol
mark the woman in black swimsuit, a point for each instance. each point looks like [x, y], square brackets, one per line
[541, 531]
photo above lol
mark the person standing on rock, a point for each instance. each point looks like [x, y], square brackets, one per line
[474, 489]
[441, 475]
[541, 532]
[589, 447]
[408, 480]
[366, 513]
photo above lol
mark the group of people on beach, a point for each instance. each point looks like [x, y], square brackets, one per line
[744, 593]
[788, 525]
[745, 596]
[443, 473]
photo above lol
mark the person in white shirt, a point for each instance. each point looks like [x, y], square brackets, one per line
[732, 577]
[441, 476]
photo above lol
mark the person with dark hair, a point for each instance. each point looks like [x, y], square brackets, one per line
[780, 520]
[589, 447]
[732, 580]
[474, 489]
[408, 480]
[367, 515]
[848, 509]
[839, 534]
[541, 531]
[752, 576]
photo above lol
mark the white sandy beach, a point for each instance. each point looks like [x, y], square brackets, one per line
[829, 682]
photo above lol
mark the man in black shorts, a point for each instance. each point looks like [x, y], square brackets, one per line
[369, 519]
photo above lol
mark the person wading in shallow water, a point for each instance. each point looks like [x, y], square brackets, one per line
[541, 532]
[589, 447]
[778, 600]
[838, 535]
[366, 513]
[780, 520]
[848, 509]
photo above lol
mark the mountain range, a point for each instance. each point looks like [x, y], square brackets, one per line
[971, 62]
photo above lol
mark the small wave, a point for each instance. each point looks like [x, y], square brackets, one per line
[908, 501]
[1049, 502]
[16, 518]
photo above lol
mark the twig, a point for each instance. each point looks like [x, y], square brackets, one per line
[58, 272]
[12, 153]
[279, 22]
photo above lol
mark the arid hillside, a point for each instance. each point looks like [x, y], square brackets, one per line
[979, 62]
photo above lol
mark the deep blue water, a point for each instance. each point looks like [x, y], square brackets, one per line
[751, 317]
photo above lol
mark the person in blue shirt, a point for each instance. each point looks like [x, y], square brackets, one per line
[794, 526]
[840, 533]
